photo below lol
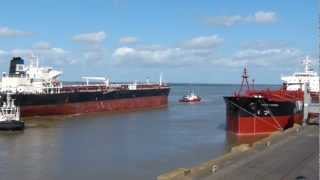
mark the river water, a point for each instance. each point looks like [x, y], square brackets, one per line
[118, 146]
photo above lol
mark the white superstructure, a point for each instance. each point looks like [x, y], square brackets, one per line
[191, 96]
[31, 79]
[299, 79]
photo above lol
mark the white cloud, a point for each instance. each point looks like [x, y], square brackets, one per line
[195, 51]
[41, 45]
[149, 56]
[59, 51]
[123, 51]
[128, 40]
[259, 17]
[45, 48]
[2, 52]
[203, 42]
[269, 57]
[224, 20]
[96, 55]
[51, 55]
[261, 45]
[3, 56]
[90, 38]
[21, 52]
[7, 32]
[265, 17]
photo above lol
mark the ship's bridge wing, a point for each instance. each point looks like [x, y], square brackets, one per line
[54, 74]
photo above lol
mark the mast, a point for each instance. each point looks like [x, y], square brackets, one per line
[306, 62]
[244, 81]
[160, 79]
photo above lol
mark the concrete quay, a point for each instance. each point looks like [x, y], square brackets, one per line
[292, 154]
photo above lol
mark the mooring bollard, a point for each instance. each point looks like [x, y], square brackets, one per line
[214, 168]
[268, 143]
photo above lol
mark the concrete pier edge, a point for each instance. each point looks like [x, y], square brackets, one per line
[218, 163]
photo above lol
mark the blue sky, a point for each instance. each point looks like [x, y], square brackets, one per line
[189, 41]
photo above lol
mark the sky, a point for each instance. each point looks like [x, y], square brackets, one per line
[207, 41]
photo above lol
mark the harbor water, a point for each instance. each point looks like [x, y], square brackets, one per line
[124, 145]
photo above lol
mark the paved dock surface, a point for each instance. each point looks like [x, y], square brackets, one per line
[296, 158]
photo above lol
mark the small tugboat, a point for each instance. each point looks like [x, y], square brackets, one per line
[192, 97]
[10, 116]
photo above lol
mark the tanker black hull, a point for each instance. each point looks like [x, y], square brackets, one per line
[87, 102]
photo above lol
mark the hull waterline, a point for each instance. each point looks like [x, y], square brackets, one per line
[11, 125]
[95, 106]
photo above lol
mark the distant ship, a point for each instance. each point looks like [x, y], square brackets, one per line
[298, 80]
[261, 112]
[192, 97]
[38, 92]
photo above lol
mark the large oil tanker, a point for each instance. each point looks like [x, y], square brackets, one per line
[261, 112]
[39, 92]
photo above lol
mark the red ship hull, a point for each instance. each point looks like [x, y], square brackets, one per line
[248, 126]
[95, 106]
[263, 112]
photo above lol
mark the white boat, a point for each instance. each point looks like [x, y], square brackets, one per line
[298, 80]
[10, 115]
[192, 97]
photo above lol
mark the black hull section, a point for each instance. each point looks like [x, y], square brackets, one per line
[11, 125]
[247, 116]
[90, 101]
[82, 97]
[261, 107]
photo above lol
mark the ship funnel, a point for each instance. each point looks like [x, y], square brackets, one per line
[16, 66]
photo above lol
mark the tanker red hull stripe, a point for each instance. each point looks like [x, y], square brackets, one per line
[262, 125]
[96, 106]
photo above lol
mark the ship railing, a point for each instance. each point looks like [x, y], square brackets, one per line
[84, 85]
[99, 87]
[277, 94]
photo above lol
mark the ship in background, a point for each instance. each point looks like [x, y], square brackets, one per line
[39, 92]
[251, 112]
[299, 80]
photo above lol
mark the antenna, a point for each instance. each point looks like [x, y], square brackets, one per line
[35, 60]
[160, 79]
[148, 80]
[306, 62]
[107, 81]
[253, 81]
